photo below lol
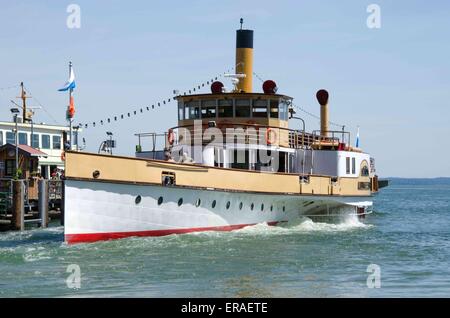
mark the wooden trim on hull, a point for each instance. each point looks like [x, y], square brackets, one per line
[116, 169]
[94, 237]
[218, 189]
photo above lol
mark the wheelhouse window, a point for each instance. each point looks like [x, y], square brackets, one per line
[194, 110]
[10, 138]
[273, 105]
[1, 138]
[347, 165]
[225, 108]
[260, 108]
[209, 108]
[180, 110]
[23, 139]
[45, 141]
[283, 110]
[35, 141]
[242, 107]
[56, 142]
[353, 165]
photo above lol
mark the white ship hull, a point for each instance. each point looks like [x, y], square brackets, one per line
[100, 210]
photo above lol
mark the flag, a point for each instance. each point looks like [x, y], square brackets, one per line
[357, 138]
[70, 84]
[71, 109]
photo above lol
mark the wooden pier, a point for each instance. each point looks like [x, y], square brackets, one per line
[20, 211]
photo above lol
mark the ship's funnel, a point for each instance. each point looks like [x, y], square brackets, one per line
[244, 59]
[322, 98]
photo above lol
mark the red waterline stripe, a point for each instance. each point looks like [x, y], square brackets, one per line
[93, 237]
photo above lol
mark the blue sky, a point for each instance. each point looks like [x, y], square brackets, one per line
[394, 82]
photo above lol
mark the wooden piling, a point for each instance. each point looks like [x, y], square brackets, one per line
[18, 211]
[43, 202]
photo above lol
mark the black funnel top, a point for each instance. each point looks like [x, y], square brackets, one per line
[244, 39]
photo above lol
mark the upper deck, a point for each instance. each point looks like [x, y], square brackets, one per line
[235, 108]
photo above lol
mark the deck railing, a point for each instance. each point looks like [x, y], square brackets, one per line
[239, 133]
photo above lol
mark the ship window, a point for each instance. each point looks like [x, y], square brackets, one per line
[273, 108]
[180, 201]
[198, 202]
[228, 204]
[213, 204]
[240, 159]
[271, 208]
[252, 206]
[284, 209]
[194, 110]
[283, 110]
[241, 205]
[353, 165]
[180, 111]
[138, 199]
[23, 139]
[225, 108]
[209, 109]
[260, 108]
[1, 138]
[242, 107]
[347, 165]
[262, 207]
[160, 200]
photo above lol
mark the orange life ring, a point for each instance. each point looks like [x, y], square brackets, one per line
[268, 139]
[170, 136]
[63, 156]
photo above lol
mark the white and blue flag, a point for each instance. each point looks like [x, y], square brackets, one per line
[70, 84]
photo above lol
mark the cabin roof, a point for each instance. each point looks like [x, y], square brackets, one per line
[29, 151]
[232, 95]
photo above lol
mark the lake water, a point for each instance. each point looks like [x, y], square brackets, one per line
[408, 237]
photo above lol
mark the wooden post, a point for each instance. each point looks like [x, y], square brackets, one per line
[18, 212]
[43, 202]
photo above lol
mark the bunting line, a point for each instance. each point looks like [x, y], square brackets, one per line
[140, 110]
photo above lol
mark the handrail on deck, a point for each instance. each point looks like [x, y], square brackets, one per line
[297, 139]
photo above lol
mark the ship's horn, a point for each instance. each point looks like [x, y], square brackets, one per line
[322, 98]
[244, 59]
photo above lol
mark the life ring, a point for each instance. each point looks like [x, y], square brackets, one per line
[268, 139]
[170, 136]
[63, 156]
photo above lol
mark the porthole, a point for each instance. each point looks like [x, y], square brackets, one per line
[252, 206]
[213, 204]
[160, 200]
[198, 202]
[96, 174]
[262, 207]
[228, 204]
[180, 201]
[138, 199]
[241, 205]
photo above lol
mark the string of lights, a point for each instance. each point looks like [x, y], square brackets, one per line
[125, 115]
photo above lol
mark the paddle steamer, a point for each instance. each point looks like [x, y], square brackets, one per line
[234, 160]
